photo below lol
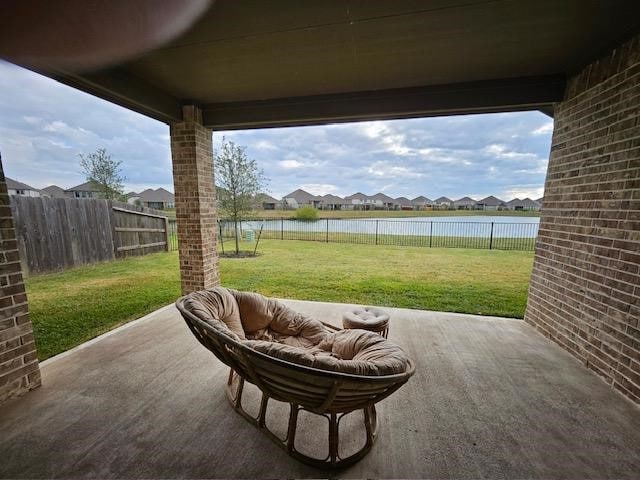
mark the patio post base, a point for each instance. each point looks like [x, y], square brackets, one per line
[234, 391]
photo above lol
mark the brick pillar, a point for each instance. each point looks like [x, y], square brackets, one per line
[192, 155]
[19, 371]
[585, 286]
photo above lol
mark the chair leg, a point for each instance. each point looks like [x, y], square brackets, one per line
[333, 438]
[293, 425]
[263, 410]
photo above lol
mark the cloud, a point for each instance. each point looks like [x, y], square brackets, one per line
[544, 129]
[386, 170]
[320, 188]
[289, 164]
[522, 192]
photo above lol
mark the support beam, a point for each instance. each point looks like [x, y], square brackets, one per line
[122, 88]
[517, 94]
[192, 155]
[19, 370]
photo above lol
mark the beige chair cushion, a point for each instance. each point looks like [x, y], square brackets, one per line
[357, 352]
[267, 319]
[216, 305]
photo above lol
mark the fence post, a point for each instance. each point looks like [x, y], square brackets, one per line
[430, 232]
[377, 231]
[166, 233]
[491, 237]
[281, 228]
[327, 236]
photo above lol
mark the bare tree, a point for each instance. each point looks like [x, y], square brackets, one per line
[239, 181]
[103, 171]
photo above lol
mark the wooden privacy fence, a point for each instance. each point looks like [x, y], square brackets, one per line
[59, 233]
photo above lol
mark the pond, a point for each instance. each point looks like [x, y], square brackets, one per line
[459, 226]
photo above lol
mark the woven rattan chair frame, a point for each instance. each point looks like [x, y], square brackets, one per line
[322, 392]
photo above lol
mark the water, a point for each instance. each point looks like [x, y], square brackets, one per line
[462, 226]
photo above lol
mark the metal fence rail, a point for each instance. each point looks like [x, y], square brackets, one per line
[471, 234]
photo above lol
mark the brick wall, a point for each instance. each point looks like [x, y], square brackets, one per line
[585, 286]
[192, 155]
[19, 371]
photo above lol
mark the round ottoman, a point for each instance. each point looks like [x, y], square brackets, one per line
[367, 318]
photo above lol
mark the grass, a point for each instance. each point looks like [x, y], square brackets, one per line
[394, 213]
[71, 307]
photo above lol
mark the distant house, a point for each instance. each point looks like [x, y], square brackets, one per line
[526, 204]
[540, 201]
[53, 191]
[464, 203]
[333, 202]
[299, 198]
[403, 203]
[383, 201]
[84, 190]
[160, 199]
[360, 201]
[443, 202]
[21, 189]
[267, 202]
[490, 203]
[421, 203]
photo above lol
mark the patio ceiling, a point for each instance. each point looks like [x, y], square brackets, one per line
[262, 64]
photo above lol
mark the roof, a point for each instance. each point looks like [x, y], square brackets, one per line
[527, 202]
[382, 197]
[84, 187]
[421, 199]
[357, 196]
[157, 195]
[465, 200]
[403, 201]
[443, 200]
[332, 199]
[302, 196]
[515, 201]
[16, 185]
[54, 191]
[267, 64]
[491, 201]
[266, 198]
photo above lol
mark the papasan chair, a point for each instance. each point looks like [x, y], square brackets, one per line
[308, 364]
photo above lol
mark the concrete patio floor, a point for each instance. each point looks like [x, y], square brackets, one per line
[490, 398]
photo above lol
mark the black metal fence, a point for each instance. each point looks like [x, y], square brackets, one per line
[421, 233]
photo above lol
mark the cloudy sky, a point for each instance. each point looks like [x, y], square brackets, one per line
[44, 125]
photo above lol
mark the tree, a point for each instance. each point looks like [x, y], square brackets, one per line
[239, 180]
[103, 171]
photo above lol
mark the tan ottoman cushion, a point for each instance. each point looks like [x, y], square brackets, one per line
[366, 318]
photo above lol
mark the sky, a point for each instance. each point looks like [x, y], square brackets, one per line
[45, 125]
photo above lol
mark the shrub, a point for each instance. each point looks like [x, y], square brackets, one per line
[306, 213]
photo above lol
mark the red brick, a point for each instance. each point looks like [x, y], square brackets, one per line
[583, 292]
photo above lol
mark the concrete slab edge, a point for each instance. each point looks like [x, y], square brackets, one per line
[102, 336]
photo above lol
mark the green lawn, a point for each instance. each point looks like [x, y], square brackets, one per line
[71, 307]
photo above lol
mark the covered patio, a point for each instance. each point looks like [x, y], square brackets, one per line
[491, 398]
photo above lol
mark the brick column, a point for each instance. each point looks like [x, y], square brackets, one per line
[19, 371]
[192, 155]
[585, 286]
